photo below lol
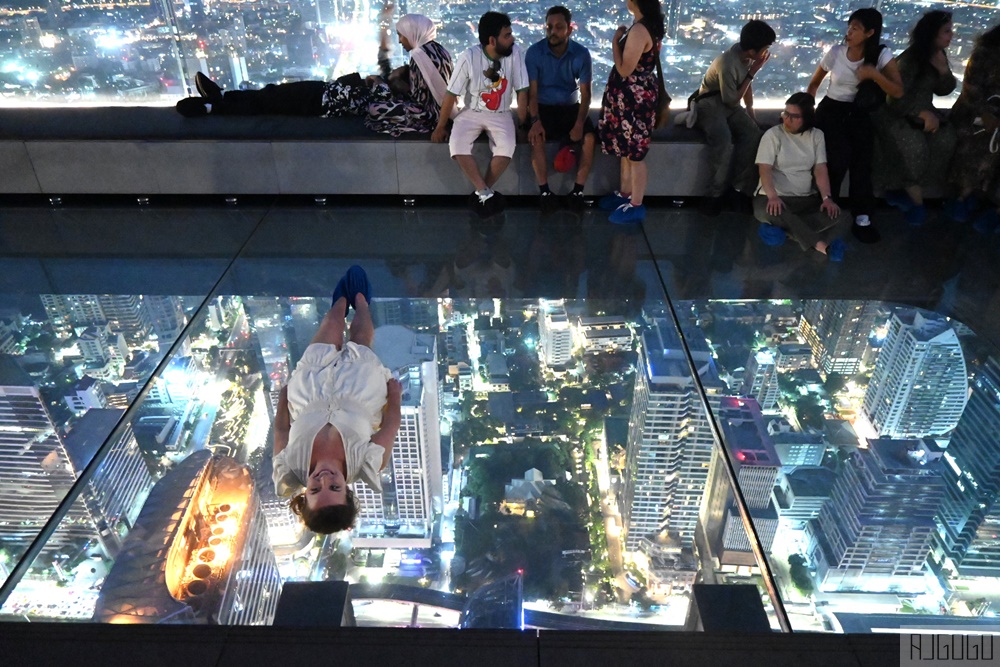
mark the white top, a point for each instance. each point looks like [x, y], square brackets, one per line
[844, 73]
[344, 388]
[793, 157]
[481, 94]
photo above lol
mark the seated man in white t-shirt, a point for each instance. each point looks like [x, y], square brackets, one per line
[792, 162]
[487, 75]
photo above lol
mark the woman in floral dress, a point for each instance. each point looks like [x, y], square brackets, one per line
[628, 113]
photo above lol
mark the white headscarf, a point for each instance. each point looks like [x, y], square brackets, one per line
[418, 30]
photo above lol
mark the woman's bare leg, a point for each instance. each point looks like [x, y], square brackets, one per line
[362, 329]
[331, 329]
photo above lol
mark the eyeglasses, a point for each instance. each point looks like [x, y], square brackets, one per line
[791, 116]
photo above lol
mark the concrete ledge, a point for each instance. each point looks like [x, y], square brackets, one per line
[150, 151]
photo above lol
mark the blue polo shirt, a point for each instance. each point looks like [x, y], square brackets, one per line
[558, 79]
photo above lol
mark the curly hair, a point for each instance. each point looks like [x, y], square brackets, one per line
[328, 519]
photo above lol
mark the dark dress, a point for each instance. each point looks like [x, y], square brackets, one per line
[975, 166]
[628, 111]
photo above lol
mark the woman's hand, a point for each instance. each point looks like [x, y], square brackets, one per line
[774, 205]
[931, 121]
[866, 72]
[394, 391]
[830, 208]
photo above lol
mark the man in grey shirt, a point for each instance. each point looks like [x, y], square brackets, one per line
[730, 129]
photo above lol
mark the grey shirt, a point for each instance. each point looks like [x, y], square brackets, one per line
[726, 75]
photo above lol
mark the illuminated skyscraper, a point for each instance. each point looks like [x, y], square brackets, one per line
[402, 515]
[919, 386]
[556, 344]
[968, 519]
[837, 332]
[670, 442]
[761, 379]
[877, 528]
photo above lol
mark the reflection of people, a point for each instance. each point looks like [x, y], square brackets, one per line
[792, 162]
[405, 99]
[628, 111]
[483, 266]
[560, 71]
[917, 142]
[338, 416]
[848, 127]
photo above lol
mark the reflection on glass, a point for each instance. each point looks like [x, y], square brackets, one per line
[68, 368]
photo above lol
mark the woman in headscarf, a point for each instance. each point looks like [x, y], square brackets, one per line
[429, 70]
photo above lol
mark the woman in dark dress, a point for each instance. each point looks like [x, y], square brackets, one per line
[628, 111]
[914, 138]
[976, 116]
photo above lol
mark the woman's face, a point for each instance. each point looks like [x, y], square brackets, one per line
[407, 44]
[857, 34]
[791, 118]
[631, 6]
[944, 35]
[327, 486]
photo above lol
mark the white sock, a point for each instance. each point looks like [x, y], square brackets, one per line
[484, 194]
[862, 221]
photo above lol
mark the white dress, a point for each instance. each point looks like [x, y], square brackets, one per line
[344, 388]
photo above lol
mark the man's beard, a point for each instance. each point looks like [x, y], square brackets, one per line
[503, 53]
[555, 41]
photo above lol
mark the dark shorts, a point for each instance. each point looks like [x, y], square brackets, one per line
[558, 120]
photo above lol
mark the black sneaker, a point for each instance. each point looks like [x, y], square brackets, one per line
[866, 233]
[192, 107]
[207, 88]
[574, 201]
[495, 204]
[548, 202]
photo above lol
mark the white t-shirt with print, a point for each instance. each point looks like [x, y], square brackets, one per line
[844, 73]
[793, 157]
[468, 80]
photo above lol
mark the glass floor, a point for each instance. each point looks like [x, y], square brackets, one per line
[595, 418]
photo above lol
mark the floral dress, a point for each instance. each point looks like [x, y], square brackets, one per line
[628, 111]
[420, 111]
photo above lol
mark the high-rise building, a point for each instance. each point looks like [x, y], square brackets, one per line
[919, 386]
[167, 318]
[403, 514]
[670, 441]
[761, 379]
[118, 489]
[973, 480]
[36, 472]
[556, 344]
[876, 530]
[837, 332]
[124, 313]
[198, 552]
[749, 447]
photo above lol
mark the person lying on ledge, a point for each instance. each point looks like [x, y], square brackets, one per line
[338, 416]
[404, 99]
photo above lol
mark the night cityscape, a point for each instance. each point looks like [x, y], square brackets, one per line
[147, 52]
[555, 463]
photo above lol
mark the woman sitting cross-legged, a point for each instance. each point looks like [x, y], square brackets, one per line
[793, 197]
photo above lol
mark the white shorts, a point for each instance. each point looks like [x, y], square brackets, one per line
[352, 375]
[469, 124]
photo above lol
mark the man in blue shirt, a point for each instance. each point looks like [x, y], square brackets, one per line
[560, 71]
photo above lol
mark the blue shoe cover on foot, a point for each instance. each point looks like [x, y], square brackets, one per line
[771, 235]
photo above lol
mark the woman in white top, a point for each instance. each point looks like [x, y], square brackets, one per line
[848, 128]
[338, 416]
[794, 191]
